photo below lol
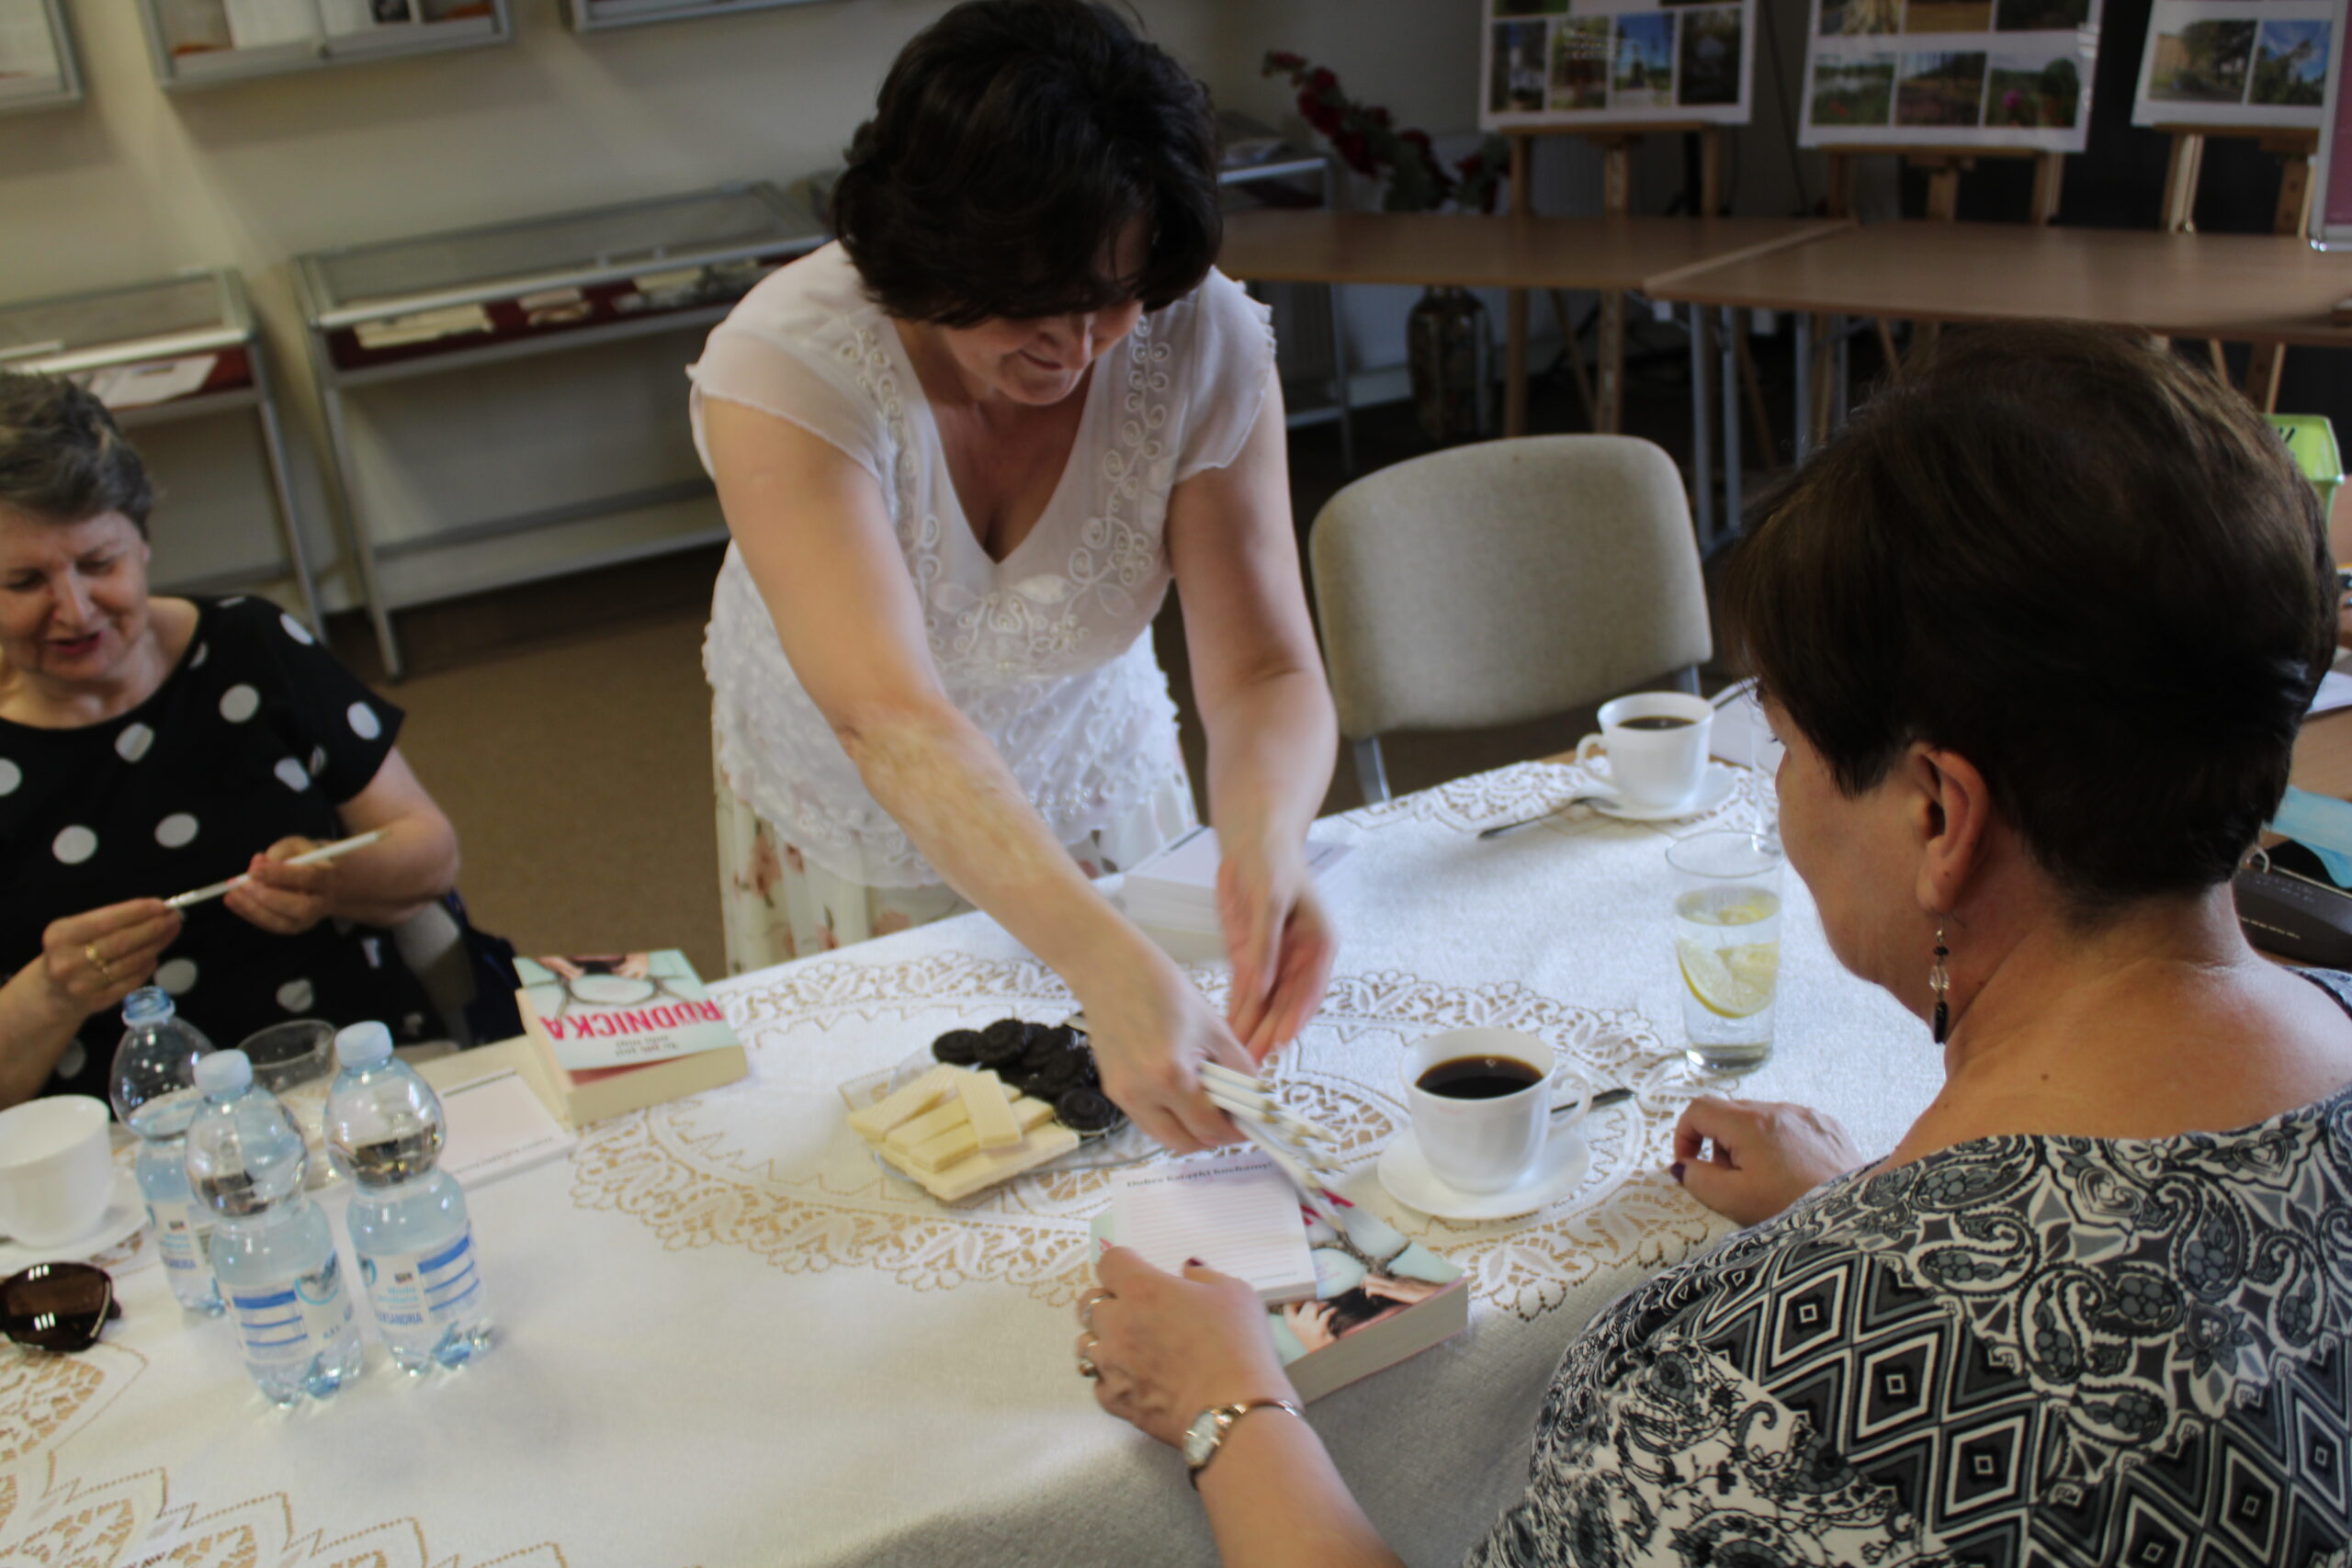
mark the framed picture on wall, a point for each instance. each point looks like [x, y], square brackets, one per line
[1567, 63]
[1950, 73]
[36, 66]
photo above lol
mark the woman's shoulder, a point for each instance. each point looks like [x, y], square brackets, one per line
[1217, 318]
[810, 305]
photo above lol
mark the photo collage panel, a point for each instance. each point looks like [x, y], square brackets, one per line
[2237, 63]
[1600, 62]
[1950, 73]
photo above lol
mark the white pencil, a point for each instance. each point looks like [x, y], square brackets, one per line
[325, 852]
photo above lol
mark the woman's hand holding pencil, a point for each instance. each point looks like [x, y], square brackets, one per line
[286, 890]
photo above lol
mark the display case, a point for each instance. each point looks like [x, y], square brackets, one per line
[38, 69]
[178, 348]
[478, 299]
[199, 43]
[1261, 170]
[596, 16]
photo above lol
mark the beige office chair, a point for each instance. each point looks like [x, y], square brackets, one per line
[1500, 583]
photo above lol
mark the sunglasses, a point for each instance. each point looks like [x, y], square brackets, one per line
[57, 1306]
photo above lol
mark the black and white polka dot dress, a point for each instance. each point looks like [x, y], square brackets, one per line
[256, 736]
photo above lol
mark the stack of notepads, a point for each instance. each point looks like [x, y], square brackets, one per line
[1172, 896]
[1346, 1296]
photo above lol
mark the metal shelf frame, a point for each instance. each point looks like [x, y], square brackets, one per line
[57, 91]
[715, 236]
[82, 346]
[221, 66]
[1288, 165]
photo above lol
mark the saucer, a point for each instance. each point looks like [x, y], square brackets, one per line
[1716, 789]
[1404, 1172]
[126, 1213]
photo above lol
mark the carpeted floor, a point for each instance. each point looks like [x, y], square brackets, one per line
[576, 762]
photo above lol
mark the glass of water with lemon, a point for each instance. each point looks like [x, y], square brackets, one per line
[1727, 946]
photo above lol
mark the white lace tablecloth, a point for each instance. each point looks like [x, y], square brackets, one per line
[729, 1339]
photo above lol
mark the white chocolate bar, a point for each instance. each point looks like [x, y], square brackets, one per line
[946, 1148]
[877, 1120]
[968, 1174]
[993, 1123]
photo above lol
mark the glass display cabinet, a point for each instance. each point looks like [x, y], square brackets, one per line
[197, 43]
[469, 302]
[38, 69]
[596, 16]
[177, 348]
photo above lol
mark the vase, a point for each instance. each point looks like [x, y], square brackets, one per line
[1450, 354]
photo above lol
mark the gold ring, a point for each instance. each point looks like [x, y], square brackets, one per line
[90, 951]
[1087, 1368]
[1087, 1304]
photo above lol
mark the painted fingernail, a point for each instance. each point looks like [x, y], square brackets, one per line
[1675, 1170]
[1194, 1263]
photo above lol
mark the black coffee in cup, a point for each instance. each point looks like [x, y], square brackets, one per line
[1478, 1077]
[1658, 721]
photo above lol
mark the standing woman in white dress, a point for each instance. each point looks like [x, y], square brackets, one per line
[963, 453]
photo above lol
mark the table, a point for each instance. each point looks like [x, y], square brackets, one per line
[1515, 252]
[729, 1340]
[457, 302]
[170, 348]
[2258, 288]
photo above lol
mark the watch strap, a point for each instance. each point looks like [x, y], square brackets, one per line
[1224, 1416]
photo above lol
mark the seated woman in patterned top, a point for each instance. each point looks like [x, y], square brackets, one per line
[151, 746]
[2038, 629]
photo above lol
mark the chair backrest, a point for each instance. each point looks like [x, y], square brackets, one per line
[1499, 583]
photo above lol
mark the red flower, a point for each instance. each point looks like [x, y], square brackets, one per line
[1321, 80]
[1283, 60]
[1418, 137]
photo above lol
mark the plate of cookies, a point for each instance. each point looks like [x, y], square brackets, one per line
[984, 1105]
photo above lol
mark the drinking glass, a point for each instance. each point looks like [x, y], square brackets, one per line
[1727, 946]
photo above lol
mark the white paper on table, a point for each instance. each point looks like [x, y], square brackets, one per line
[157, 381]
[2334, 691]
[1238, 1212]
[496, 1127]
[257, 24]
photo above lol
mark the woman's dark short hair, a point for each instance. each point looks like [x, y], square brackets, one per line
[1015, 140]
[2080, 562]
[62, 457]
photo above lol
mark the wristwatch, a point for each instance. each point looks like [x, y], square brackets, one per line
[1206, 1434]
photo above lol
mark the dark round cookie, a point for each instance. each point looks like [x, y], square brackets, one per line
[1086, 1111]
[1052, 1079]
[1003, 1043]
[957, 1047]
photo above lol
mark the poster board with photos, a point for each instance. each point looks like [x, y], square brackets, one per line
[1580, 64]
[2247, 64]
[1950, 74]
[2331, 219]
[199, 43]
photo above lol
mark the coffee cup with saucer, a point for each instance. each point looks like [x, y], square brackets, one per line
[1486, 1141]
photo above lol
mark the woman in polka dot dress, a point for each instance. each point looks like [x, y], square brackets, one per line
[149, 746]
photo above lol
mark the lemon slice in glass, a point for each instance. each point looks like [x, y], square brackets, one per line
[1734, 981]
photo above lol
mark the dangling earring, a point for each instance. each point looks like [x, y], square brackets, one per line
[1939, 982]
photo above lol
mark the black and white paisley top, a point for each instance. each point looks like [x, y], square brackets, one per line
[2018, 1351]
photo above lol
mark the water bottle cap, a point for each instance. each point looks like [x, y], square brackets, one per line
[223, 1073]
[148, 1004]
[363, 1045]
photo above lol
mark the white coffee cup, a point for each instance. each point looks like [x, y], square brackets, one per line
[1651, 767]
[1484, 1144]
[56, 1168]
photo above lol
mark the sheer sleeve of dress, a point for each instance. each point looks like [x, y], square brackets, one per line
[772, 373]
[1231, 354]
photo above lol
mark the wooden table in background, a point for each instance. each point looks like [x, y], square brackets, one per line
[1472, 250]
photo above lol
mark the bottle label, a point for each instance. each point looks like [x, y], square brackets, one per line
[411, 1289]
[183, 1232]
[283, 1324]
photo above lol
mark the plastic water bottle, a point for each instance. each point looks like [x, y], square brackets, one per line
[271, 1247]
[153, 1089]
[408, 1220]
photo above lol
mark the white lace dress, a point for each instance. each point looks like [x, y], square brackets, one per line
[1048, 651]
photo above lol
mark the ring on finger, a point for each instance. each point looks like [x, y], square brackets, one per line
[1087, 1368]
[1088, 1302]
[97, 960]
